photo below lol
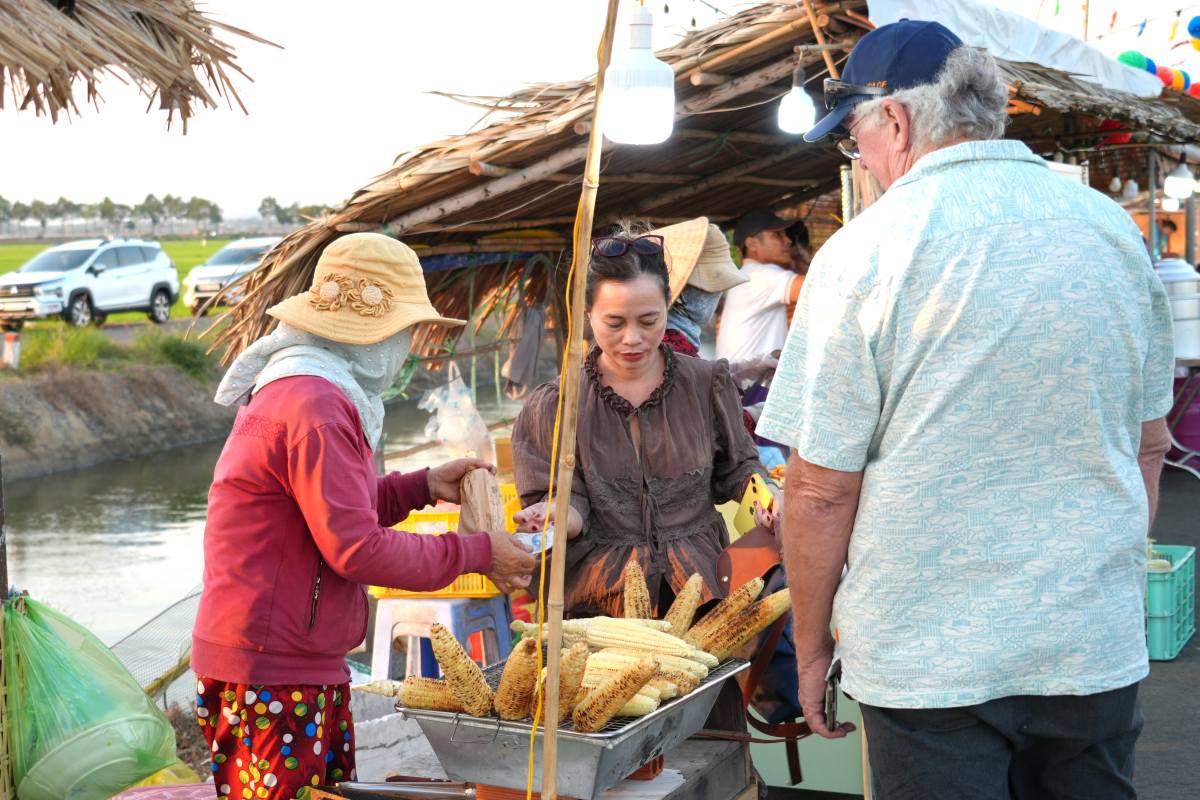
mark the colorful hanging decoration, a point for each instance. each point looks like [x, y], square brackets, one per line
[1112, 23]
[1193, 30]
[1133, 59]
[1142, 27]
[1181, 81]
[1166, 75]
[1194, 90]
[1151, 67]
[1174, 26]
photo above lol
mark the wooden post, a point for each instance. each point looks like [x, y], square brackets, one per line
[1152, 192]
[569, 393]
[1189, 229]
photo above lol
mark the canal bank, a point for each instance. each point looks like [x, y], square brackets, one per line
[72, 418]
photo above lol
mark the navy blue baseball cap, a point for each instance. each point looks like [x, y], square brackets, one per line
[892, 57]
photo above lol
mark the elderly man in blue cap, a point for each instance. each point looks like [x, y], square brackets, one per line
[973, 390]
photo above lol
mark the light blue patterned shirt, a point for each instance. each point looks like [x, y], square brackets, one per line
[984, 343]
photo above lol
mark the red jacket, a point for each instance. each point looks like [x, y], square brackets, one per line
[297, 524]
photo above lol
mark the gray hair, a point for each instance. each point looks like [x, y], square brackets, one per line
[968, 100]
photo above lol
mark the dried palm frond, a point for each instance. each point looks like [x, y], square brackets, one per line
[518, 170]
[167, 48]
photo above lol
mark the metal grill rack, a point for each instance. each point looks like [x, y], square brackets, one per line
[492, 751]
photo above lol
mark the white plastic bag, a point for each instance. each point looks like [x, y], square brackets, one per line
[456, 422]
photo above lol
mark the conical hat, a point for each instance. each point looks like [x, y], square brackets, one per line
[697, 253]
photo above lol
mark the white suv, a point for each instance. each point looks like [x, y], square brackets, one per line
[231, 262]
[85, 281]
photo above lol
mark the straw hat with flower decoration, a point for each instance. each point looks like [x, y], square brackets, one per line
[366, 288]
[697, 253]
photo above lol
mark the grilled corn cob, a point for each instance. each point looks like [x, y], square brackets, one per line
[430, 693]
[518, 681]
[685, 682]
[602, 703]
[669, 685]
[601, 634]
[527, 630]
[580, 626]
[638, 706]
[637, 594]
[724, 611]
[722, 642]
[671, 663]
[593, 679]
[571, 667]
[463, 675]
[683, 610]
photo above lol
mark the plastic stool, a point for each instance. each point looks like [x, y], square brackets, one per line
[413, 618]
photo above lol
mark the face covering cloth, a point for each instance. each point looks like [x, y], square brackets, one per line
[363, 372]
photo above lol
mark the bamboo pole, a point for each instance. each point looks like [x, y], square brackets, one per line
[570, 412]
[6, 787]
[820, 35]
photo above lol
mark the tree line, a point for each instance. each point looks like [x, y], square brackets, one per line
[168, 209]
[271, 209]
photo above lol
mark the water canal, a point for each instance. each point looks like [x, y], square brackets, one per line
[113, 545]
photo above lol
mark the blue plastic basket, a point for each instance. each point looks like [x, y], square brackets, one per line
[1171, 602]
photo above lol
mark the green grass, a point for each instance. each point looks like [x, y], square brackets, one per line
[186, 253]
[12, 256]
[56, 344]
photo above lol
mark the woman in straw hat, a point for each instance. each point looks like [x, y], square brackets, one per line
[298, 523]
[701, 271]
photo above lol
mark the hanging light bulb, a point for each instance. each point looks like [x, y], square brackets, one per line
[797, 112]
[1131, 189]
[639, 90]
[1180, 182]
[1170, 204]
[1114, 185]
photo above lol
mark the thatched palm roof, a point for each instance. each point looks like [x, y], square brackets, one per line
[168, 48]
[521, 172]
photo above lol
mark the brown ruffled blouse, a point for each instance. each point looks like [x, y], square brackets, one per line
[659, 508]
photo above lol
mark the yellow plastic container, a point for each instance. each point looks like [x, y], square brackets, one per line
[439, 520]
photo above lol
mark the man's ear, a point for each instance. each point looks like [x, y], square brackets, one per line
[896, 116]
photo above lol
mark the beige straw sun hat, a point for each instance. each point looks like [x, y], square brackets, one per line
[697, 253]
[366, 287]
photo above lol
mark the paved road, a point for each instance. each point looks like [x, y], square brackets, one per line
[124, 332]
[1166, 764]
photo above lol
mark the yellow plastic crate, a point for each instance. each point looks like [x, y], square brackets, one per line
[437, 521]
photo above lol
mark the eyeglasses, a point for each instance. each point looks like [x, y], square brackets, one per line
[848, 147]
[617, 246]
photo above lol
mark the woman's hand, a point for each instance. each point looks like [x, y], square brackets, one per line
[512, 563]
[533, 519]
[766, 518]
[444, 480]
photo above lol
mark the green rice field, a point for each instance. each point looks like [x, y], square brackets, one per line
[186, 253]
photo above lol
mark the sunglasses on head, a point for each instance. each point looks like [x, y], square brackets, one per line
[616, 246]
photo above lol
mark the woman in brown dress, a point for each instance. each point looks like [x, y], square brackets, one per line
[660, 442]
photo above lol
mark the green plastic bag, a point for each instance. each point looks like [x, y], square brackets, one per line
[80, 726]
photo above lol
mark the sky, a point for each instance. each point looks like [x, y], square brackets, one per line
[348, 92]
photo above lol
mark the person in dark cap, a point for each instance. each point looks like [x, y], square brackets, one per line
[798, 236]
[754, 322]
[973, 390]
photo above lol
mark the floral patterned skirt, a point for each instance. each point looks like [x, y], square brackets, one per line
[273, 741]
